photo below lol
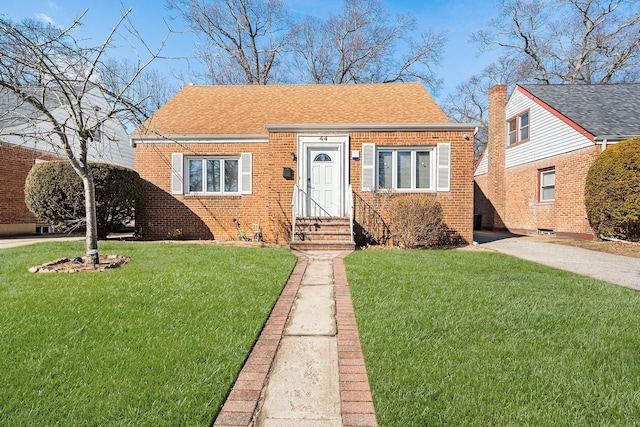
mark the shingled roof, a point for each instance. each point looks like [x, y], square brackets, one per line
[245, 110]
[603, 110]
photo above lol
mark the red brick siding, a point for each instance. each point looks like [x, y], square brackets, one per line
[457, 204]
[565, 215]
[16, 163]
[494, 188]
[509, 198]
[270, 204]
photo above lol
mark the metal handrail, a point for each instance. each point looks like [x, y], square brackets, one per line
[373, 226]
[294, 211]
[350, 209]
[299, 194]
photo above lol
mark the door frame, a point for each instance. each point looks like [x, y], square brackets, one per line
[341, 142]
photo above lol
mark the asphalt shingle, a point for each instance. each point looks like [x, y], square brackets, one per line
[245, 110]
[603, 110]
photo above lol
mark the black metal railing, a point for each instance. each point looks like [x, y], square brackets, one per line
[370, 227]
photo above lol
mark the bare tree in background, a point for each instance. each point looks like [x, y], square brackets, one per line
[54, 82]
[569, 41]
[365, 43]
[242, 40]
[149, 91]
[468, 103]
[552, 42]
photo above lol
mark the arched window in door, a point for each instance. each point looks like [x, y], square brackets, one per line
[322, 157]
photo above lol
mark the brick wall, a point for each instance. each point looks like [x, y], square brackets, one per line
[509, 198]
[495, 185]
[567, 214]
[16, 161]
[211, 217]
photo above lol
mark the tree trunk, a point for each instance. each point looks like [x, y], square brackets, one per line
[91, 219]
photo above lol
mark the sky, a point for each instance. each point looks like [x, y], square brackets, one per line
[459, 18]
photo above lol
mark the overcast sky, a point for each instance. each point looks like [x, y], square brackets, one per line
[459, 18]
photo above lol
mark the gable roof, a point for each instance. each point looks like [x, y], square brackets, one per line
[23, 124]
[605, 111]
[245, 110]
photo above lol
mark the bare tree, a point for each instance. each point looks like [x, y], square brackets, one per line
[58, 97]
[569, 41]
[468, 103]
[149, 91]
[242, 41]
[552, 41]
[365, 43]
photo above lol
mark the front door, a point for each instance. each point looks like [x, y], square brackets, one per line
[323, 182]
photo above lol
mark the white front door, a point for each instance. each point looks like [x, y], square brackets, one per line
[323, 182]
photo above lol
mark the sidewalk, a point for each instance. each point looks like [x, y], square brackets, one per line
[307, 367]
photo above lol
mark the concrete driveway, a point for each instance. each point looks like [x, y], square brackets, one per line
[12, 242]
[620, 270]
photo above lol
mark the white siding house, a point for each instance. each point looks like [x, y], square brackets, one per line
[549, 134]
[542, 141]
[112, 145]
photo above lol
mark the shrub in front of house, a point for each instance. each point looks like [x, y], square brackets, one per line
[416, 221]
[55, 194]
[612, 192]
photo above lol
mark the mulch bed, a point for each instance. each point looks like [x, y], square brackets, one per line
[80, 264]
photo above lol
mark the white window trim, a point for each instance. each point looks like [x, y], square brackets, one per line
[369, 163]
[542, 186]
[394, 168]
[180, 175]
[177, 168]
[518, 128]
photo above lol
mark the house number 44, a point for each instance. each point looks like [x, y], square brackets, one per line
[323, 138]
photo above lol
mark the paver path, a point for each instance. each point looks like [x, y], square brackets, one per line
[307, 368]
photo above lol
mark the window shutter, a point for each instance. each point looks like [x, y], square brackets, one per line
[245, 173]
[177, 165]
[444, 167]
[368, 167]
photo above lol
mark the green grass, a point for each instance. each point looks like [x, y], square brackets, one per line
[156, 342]
[482, 339]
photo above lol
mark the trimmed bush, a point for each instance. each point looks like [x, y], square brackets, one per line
[416, 221]
[612, 191]
[55, 194]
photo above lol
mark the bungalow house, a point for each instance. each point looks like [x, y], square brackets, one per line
[298, 163]
[542, 142]
[19, 153]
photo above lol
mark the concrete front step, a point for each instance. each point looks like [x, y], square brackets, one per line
[322, 221]
[326, 245]
[323, 234]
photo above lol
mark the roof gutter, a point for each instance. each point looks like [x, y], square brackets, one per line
[599, 139]
[206, 138]
[303, 128]
[373, 127]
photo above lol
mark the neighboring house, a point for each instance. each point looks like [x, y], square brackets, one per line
[223, 162]
[542, 142]
[18, 154]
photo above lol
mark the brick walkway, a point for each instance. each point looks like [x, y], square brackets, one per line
[356, 402]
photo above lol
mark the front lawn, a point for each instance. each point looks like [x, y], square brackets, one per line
[476, 338]
[156, 342]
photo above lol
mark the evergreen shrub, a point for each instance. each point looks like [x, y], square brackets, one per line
[612, 191]
[55, 194]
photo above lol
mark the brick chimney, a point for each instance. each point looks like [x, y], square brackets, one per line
[496, 146]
